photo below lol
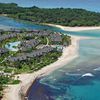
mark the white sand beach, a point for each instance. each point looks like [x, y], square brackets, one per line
[69, 53]
[83, 28]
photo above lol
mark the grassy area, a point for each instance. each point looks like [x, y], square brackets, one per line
[15, 82]
[4, 80]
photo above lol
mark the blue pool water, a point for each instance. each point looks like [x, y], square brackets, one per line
[12, 46]
[68, 82]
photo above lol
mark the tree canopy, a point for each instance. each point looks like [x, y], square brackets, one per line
[61, 16]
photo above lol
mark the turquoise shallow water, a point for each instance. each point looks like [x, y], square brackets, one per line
[67, 83]
[13, 46]
[8, 22]
[89, 92]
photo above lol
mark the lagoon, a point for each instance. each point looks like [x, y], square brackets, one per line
[8, 23]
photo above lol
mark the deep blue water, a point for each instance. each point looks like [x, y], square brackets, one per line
[68, 82]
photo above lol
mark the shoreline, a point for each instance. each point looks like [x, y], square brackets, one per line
[76, 28]
[27, 80]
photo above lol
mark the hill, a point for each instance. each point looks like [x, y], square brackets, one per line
[61, 16]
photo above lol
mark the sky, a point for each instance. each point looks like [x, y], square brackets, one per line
[92, 5]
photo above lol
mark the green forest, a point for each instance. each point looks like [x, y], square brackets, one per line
[61, 16]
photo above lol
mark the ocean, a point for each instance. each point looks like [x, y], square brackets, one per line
[79, 79]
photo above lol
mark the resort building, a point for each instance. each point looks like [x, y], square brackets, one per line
[34, 53]
[3, 51]
[31, 44]
[41, 33]
[7, 36]
[25, 45]
[56, 38]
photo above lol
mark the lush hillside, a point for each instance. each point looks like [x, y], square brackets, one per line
[62, 16]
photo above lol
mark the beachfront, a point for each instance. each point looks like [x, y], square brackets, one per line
[69, 53]
[28, 51]
[77, 28]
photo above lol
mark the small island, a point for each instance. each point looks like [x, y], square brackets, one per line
[26, 51]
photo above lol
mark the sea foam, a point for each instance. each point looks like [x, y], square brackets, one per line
[88, 74]
[97, 69]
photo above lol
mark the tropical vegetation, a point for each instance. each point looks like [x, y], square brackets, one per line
[61, 16]
[35, 63]
[5, 80]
